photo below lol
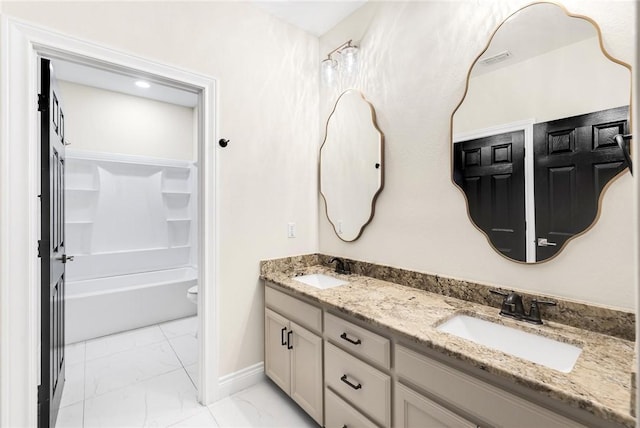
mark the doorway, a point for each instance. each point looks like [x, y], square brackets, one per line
[131, 238]
[22, 47]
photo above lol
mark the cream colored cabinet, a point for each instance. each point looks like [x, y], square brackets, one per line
[293, 353]
[360, 378]
[306, 371]
[339, 414]
[277, 357]
[483, 402]
[358, 383]
[413, 410]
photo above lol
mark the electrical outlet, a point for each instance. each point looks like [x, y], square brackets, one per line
[291, 230]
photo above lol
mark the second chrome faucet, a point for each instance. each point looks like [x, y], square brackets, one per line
[513, 307]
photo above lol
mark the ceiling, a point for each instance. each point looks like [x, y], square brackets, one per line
[315, 17]
[123, 83]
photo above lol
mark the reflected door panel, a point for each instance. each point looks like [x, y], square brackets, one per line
[490, 170]
[575, 158]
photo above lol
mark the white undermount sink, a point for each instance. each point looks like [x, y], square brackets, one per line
[537, 349]
[319, 280]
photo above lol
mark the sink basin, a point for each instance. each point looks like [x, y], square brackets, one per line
[320, 281]
[537, 349]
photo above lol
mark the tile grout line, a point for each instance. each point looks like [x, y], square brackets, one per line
[181, 363]
[141, 380]
[126, 350]
[166, 339]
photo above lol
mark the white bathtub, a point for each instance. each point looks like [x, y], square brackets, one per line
[97, 307]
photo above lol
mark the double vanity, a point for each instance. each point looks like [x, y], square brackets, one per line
[353, 350]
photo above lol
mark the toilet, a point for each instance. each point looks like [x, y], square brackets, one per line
[192, 294]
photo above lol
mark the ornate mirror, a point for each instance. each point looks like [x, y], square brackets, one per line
[351, 165]
[537, 137]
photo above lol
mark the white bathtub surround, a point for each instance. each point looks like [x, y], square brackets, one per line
[102, 306]
[128, 214]
[143, 378]
[130, 224]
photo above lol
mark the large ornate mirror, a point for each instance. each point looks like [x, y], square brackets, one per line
[533, 145]
[351, 165]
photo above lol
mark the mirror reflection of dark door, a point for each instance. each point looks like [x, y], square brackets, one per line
[574, 157]
[490, 170]
[51, 248]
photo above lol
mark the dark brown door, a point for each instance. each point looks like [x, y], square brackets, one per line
[490, 170]
[574, 159]
[51, 248]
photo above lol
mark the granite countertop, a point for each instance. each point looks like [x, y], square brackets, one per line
[599, 382]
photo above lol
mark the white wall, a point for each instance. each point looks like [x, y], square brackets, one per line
[414, 61]
[107, 121]
[545, 87]
[268, 109]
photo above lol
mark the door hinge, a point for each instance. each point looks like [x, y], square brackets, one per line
[43, 102]
[39, 248]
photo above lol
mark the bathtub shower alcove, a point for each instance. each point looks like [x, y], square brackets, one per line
[130, 225]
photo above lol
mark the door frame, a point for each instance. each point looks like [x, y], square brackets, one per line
[525, 125]
[21, 44]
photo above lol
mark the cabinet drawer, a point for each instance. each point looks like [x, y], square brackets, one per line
[296, 310]
[358, 340]
[339, 414]
[486, 402]
[366, 388]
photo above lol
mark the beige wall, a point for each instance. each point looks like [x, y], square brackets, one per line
[414, 61]
[268, 109]
[106, 121]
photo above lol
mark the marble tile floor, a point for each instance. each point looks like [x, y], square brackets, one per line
[146, 378]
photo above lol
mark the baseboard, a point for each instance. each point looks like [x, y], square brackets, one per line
[242, 379]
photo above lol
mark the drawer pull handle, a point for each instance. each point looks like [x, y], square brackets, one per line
[289, 345]
[345, 337]
[345, 380]
[282, 341]
[344, 426]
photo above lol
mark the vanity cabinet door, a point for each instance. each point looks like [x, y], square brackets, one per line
[277, 358]
[306, 371]
[413, 410]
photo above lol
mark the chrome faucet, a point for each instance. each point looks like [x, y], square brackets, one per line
[342, 266]
[513, 307]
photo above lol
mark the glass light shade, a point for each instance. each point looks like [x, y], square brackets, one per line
[349, 57]
[329, 71]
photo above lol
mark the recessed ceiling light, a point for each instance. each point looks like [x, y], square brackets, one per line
[143, 84]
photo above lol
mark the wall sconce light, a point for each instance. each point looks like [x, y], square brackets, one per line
[348, 62]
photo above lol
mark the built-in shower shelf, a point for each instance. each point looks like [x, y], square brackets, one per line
[176, 192]
[81, 189]
[128, 190]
